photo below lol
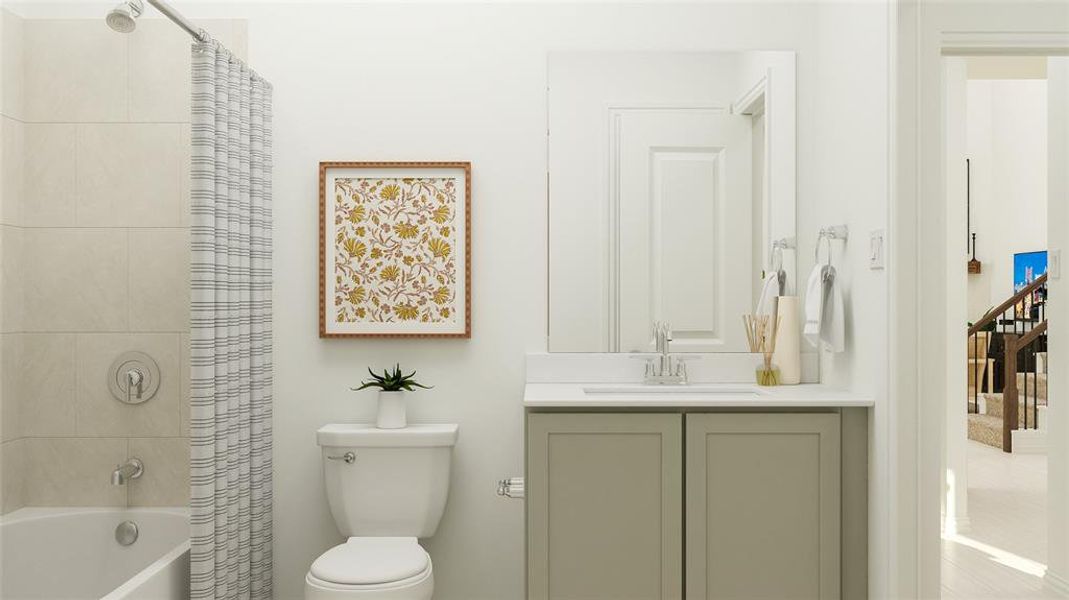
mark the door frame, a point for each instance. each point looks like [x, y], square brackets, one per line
[924, 34]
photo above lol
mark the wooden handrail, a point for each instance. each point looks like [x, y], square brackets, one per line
[1031, 336]
[1001, 308]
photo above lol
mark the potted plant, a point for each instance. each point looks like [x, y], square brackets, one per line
[392, 387]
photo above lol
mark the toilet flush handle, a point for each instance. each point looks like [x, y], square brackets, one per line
[348, 457]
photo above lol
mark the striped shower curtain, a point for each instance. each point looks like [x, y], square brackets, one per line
[230, 426]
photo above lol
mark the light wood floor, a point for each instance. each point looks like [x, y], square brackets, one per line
[1004, 554]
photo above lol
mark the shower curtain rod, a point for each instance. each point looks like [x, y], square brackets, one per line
[168, 11]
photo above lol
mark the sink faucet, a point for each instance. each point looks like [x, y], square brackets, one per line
[131, 469]
[668, 369]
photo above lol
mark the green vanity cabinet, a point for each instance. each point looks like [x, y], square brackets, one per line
[762, 506]
[605, 506]
[696, 505]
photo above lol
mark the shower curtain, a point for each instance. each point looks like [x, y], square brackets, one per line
[230, 426]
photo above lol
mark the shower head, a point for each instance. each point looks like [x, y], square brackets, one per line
[123, 18]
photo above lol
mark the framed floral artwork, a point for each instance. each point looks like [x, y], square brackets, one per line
[395, 249]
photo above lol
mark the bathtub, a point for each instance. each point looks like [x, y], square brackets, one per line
[71, 553]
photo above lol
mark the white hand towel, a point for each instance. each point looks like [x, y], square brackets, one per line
[833, 321]
[766, 305]
[814, 306]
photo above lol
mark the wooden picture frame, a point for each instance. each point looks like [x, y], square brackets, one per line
[390, 263]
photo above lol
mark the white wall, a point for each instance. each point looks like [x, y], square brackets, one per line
[1006, 130]
[852, 187]
[467, 82]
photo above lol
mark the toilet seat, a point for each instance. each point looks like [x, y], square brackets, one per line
[372, 568]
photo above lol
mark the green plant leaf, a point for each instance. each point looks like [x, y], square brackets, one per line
[391, 381]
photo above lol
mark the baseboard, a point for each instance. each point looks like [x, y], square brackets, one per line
[1056, 584]
[1029, 441]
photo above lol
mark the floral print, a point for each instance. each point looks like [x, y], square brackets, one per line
[394, 250]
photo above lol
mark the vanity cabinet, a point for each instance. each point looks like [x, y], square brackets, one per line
[701, 505]
[762, 506]
[605, 506]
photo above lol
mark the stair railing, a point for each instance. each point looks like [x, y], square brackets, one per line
[1013, 333]
[1025, 347]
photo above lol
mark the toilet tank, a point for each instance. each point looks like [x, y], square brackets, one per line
[394, 482]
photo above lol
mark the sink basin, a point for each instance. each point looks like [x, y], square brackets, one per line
[705, 390]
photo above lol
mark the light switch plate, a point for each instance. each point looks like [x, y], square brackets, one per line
[1054, 269]
[876, 249]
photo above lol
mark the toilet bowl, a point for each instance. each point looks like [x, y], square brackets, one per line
[372, 568]
[386, 489]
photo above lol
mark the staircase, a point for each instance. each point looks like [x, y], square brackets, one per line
[1007, 373]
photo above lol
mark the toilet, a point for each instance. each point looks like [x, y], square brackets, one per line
[386, 488]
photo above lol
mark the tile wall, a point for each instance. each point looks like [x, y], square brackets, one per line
[94, 146]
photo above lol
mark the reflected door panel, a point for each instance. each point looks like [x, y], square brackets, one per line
[680, 195]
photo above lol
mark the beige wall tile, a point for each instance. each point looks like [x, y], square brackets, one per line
[183, 384]
[159, 72]
[159, 280]
[49, 184]
[79, 71]
[12, 137]
[185, 147]
[128, 175]
[46, 386]
[76, 279]
[11, 279]
[234, 34]
[10, 358]
[166, 478]
[73, 471]
[12, 475]
[99, 413]
[11, 64]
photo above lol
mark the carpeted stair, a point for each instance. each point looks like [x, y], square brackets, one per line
[987, 428]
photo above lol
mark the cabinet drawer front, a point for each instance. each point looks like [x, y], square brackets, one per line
[763, 506]
[604, 497]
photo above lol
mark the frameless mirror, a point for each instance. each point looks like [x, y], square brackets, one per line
[671, 178]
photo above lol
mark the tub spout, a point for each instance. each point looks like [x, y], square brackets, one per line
[131, 469]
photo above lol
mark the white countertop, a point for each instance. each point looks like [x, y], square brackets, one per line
[695, 395]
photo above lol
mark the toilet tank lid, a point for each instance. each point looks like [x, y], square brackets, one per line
[362, 435]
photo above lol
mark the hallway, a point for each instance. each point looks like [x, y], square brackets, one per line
[1005, 552]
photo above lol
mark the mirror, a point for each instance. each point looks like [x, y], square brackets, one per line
[671, 175]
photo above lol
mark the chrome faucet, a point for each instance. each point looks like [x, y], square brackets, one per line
[131, 469]
[668, 369]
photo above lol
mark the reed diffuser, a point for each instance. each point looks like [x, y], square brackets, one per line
[761, 336]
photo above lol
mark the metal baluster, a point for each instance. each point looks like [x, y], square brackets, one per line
[1025, 350]
[1035, 371]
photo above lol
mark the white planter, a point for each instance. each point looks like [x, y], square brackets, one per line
[391, 411]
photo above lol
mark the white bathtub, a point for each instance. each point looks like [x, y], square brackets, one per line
[71, 554]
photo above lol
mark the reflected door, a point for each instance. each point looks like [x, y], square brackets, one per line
[680, 192]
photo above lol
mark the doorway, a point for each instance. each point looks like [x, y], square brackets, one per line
[998, 112]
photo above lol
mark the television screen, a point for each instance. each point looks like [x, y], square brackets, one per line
[1027, 266]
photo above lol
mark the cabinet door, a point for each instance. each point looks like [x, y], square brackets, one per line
[762, 506]
[604, 506]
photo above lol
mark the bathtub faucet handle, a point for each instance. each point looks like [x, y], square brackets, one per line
[134, 379]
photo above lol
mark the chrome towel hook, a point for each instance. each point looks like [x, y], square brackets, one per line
[827, 234]
[778, 246]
